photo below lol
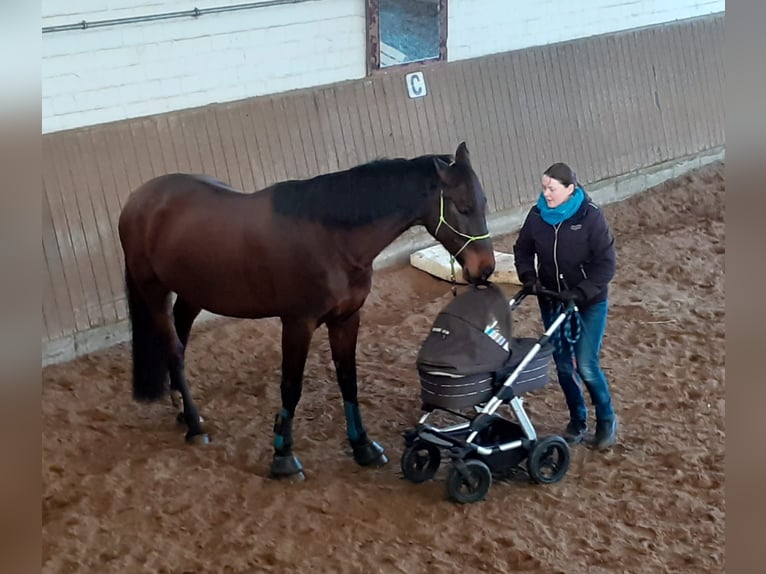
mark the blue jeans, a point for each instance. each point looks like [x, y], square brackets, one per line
[581, 364]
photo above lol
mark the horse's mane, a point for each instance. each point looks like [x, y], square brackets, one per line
[359, 195]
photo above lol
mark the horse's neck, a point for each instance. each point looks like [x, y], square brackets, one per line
[364, 244]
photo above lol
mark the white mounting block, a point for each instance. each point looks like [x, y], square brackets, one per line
[435, 261]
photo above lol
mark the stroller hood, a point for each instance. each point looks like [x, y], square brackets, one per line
[470, 335]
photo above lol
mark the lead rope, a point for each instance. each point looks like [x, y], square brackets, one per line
[570, 330]
[469, 238]
[452, 277]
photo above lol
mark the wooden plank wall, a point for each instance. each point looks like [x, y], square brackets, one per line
[607, 105]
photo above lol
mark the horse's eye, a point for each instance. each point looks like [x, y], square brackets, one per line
[465, 209]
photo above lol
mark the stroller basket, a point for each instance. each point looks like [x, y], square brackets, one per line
[450, 391]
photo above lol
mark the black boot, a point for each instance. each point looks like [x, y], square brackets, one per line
[606, 434]
[575, 431]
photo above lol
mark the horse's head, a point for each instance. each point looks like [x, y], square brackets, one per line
[457, 219]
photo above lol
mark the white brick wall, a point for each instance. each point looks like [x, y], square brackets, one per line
[107, 74]
[112, 73]
[481, 27]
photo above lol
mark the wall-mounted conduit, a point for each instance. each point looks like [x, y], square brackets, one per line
[193, 13]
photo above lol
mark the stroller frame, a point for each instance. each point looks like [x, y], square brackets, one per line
[488, 444]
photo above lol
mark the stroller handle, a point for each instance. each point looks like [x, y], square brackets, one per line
[539, 291]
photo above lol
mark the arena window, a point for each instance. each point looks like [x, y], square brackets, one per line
[405, 33]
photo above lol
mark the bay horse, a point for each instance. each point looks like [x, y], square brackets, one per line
[298, 250]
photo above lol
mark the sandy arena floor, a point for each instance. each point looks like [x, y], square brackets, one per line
[122, 492]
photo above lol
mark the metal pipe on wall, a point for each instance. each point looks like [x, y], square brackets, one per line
[193, 13]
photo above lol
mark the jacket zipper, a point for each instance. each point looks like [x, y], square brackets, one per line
[555, 254]
[584, 274]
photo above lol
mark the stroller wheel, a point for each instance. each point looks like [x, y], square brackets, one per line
[420, 461]
[469, 484]
[548, 460]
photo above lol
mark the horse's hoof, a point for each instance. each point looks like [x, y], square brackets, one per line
[369, 454]
[199, 438]
[287, 467]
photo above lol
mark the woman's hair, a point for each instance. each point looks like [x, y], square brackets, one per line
[563, 173]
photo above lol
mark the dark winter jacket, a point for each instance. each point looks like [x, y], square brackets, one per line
[577, 253]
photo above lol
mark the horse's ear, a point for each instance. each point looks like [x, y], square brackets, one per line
[444, 171]
[462, 156]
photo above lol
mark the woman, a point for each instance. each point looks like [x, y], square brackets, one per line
[575, 252]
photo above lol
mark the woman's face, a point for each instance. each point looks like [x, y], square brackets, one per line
[554, 192]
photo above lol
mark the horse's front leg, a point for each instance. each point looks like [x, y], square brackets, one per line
[343, 335]
[296, 338]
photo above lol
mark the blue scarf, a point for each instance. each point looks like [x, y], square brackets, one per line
[555, 215]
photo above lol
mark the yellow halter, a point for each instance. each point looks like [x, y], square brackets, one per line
[442, 220]
[469, 239]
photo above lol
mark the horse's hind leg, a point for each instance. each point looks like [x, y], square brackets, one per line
[296, 339]
[183, 316]
[343, 336]
[157, 349]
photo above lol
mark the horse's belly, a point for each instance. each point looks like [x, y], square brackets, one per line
[228, 289]
[231, 301]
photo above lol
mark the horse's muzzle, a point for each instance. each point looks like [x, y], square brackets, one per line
[481, 277]
[479, 265]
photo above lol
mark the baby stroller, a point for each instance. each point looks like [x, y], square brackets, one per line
[471, 361]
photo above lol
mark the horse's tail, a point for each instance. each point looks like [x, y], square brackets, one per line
[150, 349]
